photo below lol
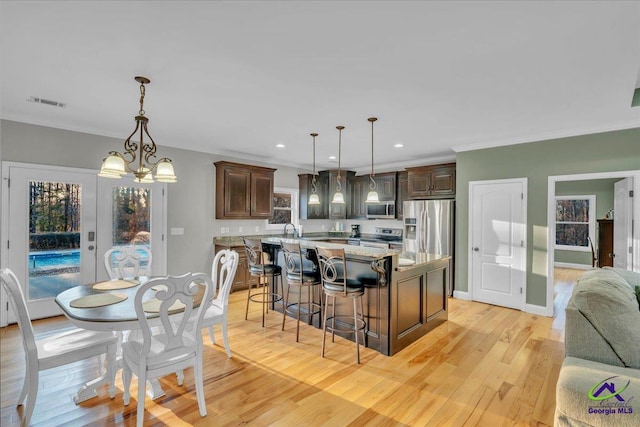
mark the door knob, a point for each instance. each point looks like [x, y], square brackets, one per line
[476, 249]
[91, 247]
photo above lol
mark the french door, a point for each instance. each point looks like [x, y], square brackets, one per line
[59, 221]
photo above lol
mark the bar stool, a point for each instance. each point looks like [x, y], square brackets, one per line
[335, 283]
[266, 272]
[299, 277]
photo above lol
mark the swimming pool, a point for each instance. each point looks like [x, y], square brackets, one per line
[54, 259]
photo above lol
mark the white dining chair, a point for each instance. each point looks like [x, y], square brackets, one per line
[223, 271]
[127, 261]
[165, 345]
[55, 350]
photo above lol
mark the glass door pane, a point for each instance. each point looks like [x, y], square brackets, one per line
[131, 219]
[54, 237]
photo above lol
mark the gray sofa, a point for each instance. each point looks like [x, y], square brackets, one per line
[599, 382]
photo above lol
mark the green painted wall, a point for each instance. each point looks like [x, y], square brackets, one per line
[603, 190]
[603, 152]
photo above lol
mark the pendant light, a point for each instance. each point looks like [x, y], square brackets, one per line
[313, 198]
[338, 197]
[372, 197]
[138, 156]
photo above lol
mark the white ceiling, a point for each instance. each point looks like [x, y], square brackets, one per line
[236, 78]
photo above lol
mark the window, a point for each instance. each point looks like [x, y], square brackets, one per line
[575, 222]
[285, 208]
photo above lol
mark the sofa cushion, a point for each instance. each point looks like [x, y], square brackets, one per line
[579, 378]
[607, 301]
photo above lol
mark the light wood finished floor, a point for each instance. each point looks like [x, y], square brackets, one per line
[486, 366]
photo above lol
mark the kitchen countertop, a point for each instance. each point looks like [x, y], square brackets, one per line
[374, 253]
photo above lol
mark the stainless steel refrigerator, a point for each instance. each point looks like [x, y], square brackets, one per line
[429, 227]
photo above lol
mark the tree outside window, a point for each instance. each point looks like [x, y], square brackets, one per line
[575, 222]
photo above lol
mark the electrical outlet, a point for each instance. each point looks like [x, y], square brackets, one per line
[257, 229]
[226, 229]
[221, 230]
[323, 228]
[239, 229]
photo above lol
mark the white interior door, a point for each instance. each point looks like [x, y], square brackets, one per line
[51, 232]
[497, 236]
[622, 224]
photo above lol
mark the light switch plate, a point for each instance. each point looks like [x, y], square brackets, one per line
[177, 231]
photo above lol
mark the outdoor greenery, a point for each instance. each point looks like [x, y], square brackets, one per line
[54, 215]
[131, 215]
[572, 222]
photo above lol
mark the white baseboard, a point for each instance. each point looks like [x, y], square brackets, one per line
[571, 265]
[462, 295]
[539, 310]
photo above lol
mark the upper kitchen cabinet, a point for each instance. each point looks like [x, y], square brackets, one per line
[243, 191]
[359, 189]
[402, 194]
[338, 210]
[432, 182]
[308, 211]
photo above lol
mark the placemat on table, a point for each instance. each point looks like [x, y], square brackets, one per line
[116, 284]
[153, 306]
[97, 300]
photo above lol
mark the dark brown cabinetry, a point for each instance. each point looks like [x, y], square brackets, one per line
[402, 194]
[430, 182]
[385, 186]
[338, 210]
[243, 191]
[605, 243]
[308, 211]
[357, 196]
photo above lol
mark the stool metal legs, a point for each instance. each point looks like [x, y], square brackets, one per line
[265, 298]
[312, 307]
[359, 323]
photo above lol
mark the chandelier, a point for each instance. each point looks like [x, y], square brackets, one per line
[313, 198]
[338, 197]
[138, 157]
[372, 197]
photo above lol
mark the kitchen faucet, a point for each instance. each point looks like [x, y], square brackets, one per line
[286, 226]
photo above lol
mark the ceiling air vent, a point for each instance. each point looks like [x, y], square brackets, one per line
[47, 102]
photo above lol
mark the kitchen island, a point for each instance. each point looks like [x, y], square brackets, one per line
[405, 294]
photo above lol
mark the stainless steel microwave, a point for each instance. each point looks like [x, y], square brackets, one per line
[382, 210]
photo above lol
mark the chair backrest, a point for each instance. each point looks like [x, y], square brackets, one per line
[333, 267]
[128, 261]
[294, 262]
[223, 271]
[176, 298]
[256, 256]
[19, 306]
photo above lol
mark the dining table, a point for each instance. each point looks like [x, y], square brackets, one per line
[110, 307]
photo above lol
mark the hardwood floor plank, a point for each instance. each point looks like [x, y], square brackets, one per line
[485, 366]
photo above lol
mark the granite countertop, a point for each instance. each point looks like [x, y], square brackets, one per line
[349, 250]
[237, 240]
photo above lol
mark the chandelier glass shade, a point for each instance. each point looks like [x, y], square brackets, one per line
[338, 197]
[138, 157]
[372, 196]
[313, 198]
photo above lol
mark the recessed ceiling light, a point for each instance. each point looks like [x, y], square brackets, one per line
[332, 157]
[398, 145]
[280, 145]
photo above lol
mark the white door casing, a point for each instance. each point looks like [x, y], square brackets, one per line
[622, 224]
[497, 230]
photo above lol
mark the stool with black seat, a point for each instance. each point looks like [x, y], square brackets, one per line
[266, 271]
[337, 284]
[299, 276]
